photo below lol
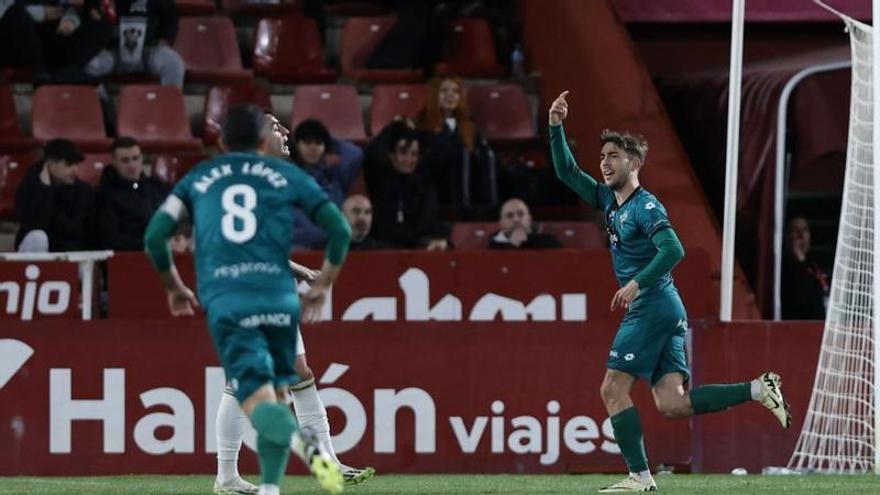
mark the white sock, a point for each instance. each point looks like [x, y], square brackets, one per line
[231, 423]
[643, 476]
[269, 490]
[310, 412]
[756, 389]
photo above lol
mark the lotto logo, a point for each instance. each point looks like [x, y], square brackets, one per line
[650, 206]
[629, 357]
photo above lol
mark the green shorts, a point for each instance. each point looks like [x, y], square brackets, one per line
[651, 339]
[255, 337]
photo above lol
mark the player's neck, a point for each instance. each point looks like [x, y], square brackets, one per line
[626, 190]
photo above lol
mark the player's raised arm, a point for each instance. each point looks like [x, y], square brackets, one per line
[338, 232]
[563, 161]
[160, 229]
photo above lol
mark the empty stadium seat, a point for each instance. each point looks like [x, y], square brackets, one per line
[470, 50]
[171, 167]
[395, 99]
[359, 38]
[209, 47]
[575, 234]
[336, 105]
[220, 98]
[11, 137]
[472, 235]
[156, 117]
[502, 112]
[195, 7]
[13, 168]
[289, 49]
[251, 8]
[91, 168]
[70, 112]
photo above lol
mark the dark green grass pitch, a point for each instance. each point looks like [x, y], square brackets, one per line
[454, 485]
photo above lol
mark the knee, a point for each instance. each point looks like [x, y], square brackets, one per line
[35, 241]
[169, 65]
[673, 409]
[101, 64]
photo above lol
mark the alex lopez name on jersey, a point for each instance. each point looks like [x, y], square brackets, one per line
[259, 169]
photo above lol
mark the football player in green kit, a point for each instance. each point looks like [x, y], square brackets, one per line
[241, 207]
[650, 343]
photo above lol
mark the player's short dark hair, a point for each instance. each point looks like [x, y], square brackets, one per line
[123, 142]
[635, 145]
[244, 127]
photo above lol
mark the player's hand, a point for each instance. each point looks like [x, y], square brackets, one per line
[559, 109]
[313, 303]
[181, 301]
[625, 296]
[519, 236]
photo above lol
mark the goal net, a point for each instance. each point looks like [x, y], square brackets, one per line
[838, 433]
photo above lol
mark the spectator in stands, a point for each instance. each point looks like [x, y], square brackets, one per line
[359, 212]
[405, 210]
[334, 164]
[805, 284]
[416, 39]
[516, 229]
[137, 37]
[127, 198]
[54, 207]
[455, 148]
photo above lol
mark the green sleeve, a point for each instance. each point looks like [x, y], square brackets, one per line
[567, 168]
[338, 232]
[159, 230]
[669, 253]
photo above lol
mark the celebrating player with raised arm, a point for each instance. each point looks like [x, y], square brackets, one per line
[310, 410]
[241, 206]
[650, 343]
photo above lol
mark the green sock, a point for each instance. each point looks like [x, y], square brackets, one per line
[711, 398]
[628, 433]
[274, 424]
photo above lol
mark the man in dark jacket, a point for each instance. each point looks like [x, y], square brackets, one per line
[138, 36]
[127, 198]
[405, 210]
[516, 231]
[53, 206]
[359, 212]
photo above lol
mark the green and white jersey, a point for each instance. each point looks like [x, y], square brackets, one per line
[630, 227]
[241, 206]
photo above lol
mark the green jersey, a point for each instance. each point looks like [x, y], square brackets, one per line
[241, 206]
[630, 227]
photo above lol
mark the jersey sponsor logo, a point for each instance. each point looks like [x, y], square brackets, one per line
[650, 205]
[266, 319]
[246, 268]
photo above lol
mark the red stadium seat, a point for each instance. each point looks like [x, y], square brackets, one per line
[336, 105]
[71, 112]
[13, 168]
[209, 47]
[246, 8]
[470, 50]
[156, 117]
[395, 99]
[349, 8]
[502, 113]
[359, 38]
[11, 137]
[220, 98]
[171, 167]
[195, 7]
[472, 235]
[15, 74]
[290, 50]
[575, 234]
[90, 170]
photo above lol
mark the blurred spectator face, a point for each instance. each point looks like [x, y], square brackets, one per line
[129, 162]
[61, 171]
[359, 213]
[515, 214]
[310, 151]
[799, 236]
[449, 96]
[277, 137]
[405, 156]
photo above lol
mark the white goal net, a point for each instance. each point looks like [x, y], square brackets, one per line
[838, 433]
